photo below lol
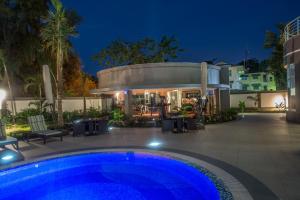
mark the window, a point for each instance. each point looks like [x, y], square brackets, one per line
[245, 86]
[191, 95]
[265, 78]
[244, 77]
[213, 76]
[256, 86]
[265, 88]
[255, 76]
[271, 78]
[291, 79]
[147, 98]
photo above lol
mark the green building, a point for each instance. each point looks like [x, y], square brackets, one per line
[260, 81]
[239, 79]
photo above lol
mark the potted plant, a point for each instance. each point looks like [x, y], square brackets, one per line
[242, 107]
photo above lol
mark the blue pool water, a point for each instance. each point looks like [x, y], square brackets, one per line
[107, 176]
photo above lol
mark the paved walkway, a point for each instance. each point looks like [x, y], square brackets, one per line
[263, 145]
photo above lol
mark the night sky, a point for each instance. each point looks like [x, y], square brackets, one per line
[205, 29]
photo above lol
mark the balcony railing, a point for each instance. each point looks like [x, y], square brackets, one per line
[292, 29]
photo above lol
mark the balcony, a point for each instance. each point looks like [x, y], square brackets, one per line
[292, 29]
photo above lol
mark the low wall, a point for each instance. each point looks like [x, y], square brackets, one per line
[69, 104]
[264, 101]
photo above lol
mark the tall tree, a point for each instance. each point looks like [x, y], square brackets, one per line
[56, 34]
[146, 50]
[34, 85]
[274, 41]
[19, 39]
[77, 82]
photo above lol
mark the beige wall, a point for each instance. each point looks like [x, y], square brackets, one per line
[236, 98]
[268, 99]
[69, 104]
[155, 75]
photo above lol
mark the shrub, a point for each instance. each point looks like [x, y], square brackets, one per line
[187, 107]
[242, 106]
[21, 117]
[94, 113]
[7, 117]
[225, 116]
[117, 117]
[72, 116]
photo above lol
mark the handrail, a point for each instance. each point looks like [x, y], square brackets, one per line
[292, 29]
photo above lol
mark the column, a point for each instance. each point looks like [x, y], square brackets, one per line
[225, 99]
[179, 98]
[128, 103]
[218, 101]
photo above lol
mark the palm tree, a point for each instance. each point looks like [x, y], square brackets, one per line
[35, 83]
[55, 35]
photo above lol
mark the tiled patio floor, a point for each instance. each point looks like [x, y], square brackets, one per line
[263, 145]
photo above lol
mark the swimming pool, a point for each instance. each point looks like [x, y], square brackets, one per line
[108, 176]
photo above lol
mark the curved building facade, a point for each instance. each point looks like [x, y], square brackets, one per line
[292, 64]
[142, 85]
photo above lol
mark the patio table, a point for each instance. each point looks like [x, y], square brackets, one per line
[90, 126]
[178, 122]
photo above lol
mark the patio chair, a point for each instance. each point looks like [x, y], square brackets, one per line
[167, 125]
[101, 126]
[90, 127]
[78, 127]
[39, 128]
[7, 140]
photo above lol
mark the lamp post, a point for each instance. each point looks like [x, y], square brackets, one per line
[2, 97]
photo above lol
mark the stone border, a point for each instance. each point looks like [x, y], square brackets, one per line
[217, 175]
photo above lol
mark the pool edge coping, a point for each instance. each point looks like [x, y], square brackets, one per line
[237, 189]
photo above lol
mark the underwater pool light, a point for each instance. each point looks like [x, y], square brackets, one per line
[7, 157]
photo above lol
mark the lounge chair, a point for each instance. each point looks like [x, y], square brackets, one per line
[7, 140]
[39, 128]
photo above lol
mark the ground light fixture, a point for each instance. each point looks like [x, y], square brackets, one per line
[154, 144]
